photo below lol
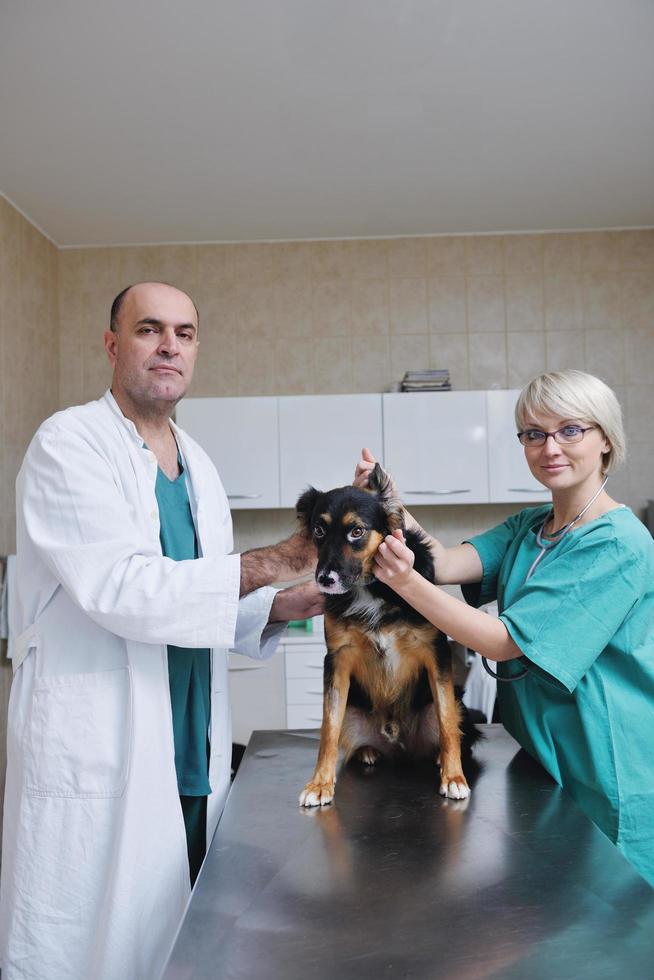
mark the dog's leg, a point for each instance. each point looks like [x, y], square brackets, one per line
[439, 670]
[320, 789]
[367, 755]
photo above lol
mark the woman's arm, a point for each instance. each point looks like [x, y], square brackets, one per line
[470, 627]
[453, 566]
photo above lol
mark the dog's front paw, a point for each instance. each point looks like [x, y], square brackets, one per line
[317, 793]
[454, 787]
[368, 755]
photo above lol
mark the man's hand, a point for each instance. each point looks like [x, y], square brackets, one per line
[286, 561]
[298, 602]
[364, 466]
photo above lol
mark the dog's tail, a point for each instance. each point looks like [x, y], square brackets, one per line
[470, 718]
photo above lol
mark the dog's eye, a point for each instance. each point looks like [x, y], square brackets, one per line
[357, 532]
[318, 531]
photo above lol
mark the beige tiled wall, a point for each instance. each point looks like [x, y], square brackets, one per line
[340, 316]
[29, 356]
[307, 317]
[350, 316]
[29, 371]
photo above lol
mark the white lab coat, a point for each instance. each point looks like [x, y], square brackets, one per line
[95, 874]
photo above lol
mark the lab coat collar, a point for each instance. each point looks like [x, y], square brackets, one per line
[127, 423]
[193, 475]
[194, 481]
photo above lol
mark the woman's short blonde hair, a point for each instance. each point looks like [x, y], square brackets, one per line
[576, 395]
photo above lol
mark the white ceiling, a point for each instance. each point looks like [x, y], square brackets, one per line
[136, 121]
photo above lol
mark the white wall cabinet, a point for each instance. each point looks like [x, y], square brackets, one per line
[435, 445]
[320, 440]
[450, 447]
[510, 477]
[241, 435]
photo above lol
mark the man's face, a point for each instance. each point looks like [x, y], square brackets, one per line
[154, 348]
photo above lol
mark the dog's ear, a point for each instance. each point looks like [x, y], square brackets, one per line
[381, 483]
[304, 506]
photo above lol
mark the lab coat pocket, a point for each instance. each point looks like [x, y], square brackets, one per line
[79, 737]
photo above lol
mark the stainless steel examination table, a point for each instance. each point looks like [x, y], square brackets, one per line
[393, 881]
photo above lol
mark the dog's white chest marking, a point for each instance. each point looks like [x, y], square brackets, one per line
[367, 606]
[372, 609]
[385, 643]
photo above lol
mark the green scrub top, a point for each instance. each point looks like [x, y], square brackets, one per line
[189, 671]
[585, 624]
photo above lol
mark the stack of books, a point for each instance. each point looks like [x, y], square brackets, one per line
[437, 380]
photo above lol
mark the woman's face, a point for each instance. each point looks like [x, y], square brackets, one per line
[564, 466]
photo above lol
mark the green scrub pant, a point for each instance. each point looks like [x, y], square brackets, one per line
[194, 809]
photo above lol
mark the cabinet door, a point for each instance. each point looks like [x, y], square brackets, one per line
[320, 440]
[305, 662]
[304, 716]
[241, 437]
[257, 695]
[304, 690]
[435, 445]
[510, 477]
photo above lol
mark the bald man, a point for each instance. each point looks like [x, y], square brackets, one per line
[128, 599]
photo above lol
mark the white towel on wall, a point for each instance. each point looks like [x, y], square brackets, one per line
[6, 598]
[480, 690]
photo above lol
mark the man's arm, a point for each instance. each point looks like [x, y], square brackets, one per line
[283, 562]
[78, 522]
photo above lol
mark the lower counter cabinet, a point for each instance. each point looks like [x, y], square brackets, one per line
[303, 660]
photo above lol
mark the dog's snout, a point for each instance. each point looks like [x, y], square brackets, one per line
[330, 581]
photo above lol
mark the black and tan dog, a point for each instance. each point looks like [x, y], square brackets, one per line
[388, 672]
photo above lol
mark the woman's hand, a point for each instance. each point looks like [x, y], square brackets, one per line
[364, 467]
[362, 473]
[394, 562]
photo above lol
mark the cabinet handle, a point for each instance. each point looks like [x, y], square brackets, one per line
[434, 493]
[243, 496]
[525, 490]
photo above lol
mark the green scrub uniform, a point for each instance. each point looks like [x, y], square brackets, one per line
[189, 673]
[585, 623]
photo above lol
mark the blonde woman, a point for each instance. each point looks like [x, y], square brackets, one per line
[574, 582]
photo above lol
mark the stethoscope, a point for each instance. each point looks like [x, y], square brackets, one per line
[544, 544]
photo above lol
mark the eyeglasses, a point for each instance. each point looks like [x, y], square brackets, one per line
[564, 436]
